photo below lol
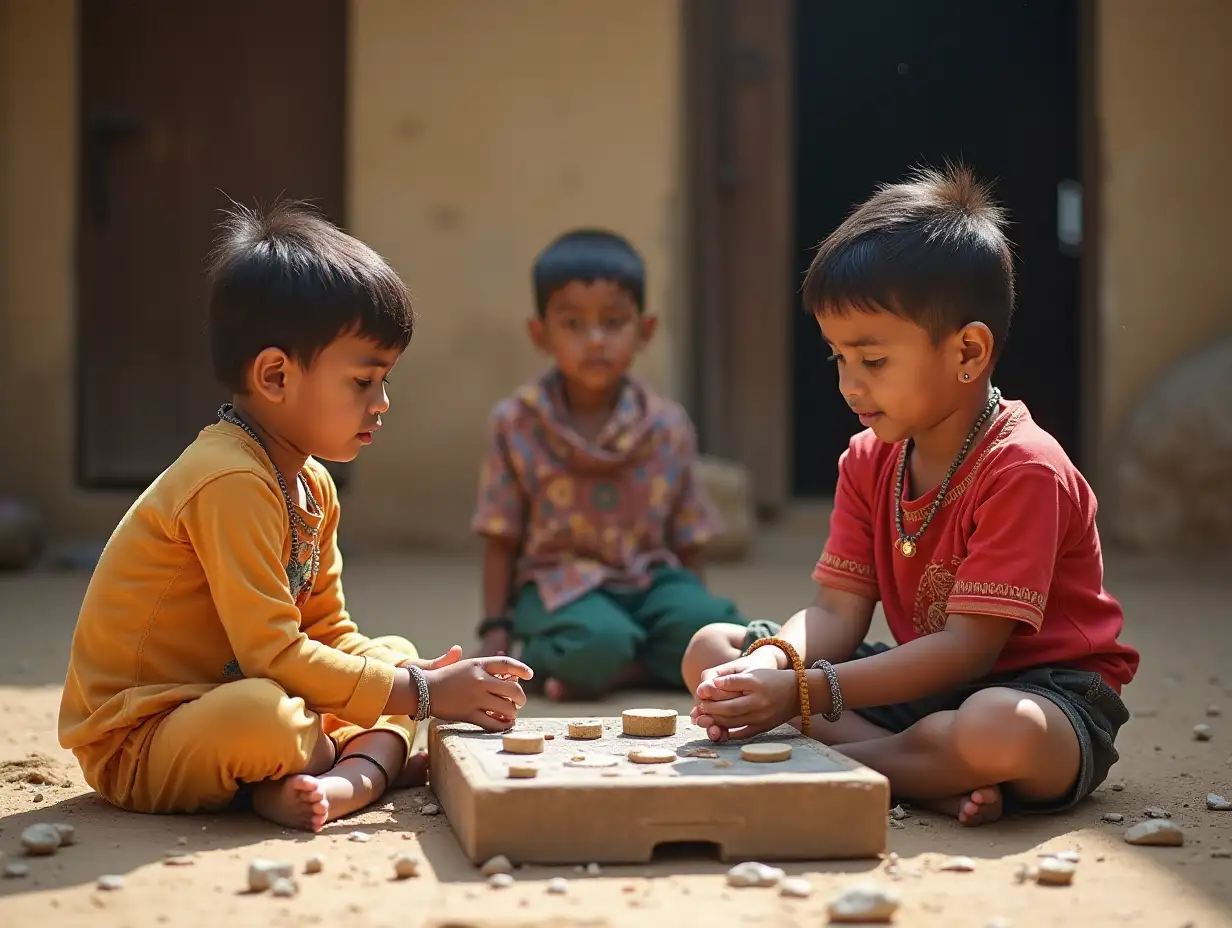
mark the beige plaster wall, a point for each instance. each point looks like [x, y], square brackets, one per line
[479, 130]
[1165, 110]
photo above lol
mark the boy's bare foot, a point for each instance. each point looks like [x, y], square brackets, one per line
[415, 773]
[979, 807]
[298, 801]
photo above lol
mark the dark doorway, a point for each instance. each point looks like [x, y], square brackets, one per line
[182, 103]
[884, 85]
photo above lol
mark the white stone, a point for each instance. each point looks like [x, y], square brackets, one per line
[498, 864]
[1156, 812]
[558, 886]
[959, 865]
[752, 873]
[109, 882]
[68, 834]
[41, 839]
[1202, 732]
[1156, 832]
[1053, 871]
[866, 902]
[360, 837]
[1218, 803]
[15, 869]
[898, 813]
[593, 869]
[500, 880]
[406, 866]
[262, 873]
[1113, 817]
[284, 887]
[796, 887]
[1213, 711]
[431, 808]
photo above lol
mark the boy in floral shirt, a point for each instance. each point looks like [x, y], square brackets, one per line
[591, 512]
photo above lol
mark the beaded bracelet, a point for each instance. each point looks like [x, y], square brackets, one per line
[424, 709]
[836, 694]
[806, 717]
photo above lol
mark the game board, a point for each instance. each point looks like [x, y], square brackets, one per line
[816, 805]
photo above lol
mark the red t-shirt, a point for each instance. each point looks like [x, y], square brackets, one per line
[1015, 538]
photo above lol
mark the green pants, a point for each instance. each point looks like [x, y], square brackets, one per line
[587, 642]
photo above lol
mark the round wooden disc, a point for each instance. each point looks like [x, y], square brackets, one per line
[652, 755]
[516, 742]
[765, 752]
[649, 723]
[587, 730]
[523, 771]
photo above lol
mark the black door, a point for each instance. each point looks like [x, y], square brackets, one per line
[883, 85]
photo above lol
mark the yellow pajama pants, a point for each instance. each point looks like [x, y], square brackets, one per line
[197, 756]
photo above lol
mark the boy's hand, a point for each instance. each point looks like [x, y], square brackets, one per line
[452, 656]
[482, 690]
[747, 702]
[763, 658]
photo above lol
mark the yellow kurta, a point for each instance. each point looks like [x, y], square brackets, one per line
[192, 669]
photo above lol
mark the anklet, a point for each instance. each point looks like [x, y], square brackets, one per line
[372, 760]
[806, 717]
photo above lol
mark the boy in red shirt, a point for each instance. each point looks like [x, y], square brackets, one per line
[962, 516]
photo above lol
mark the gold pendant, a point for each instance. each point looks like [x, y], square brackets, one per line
[906, 547]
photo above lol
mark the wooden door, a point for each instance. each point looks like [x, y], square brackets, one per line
[182, 106]
[740, 174]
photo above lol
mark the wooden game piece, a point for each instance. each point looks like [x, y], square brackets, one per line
[652, 755]
[523, 771]
[586, 730]
[764, 752]
[649, 723]
[523, 742]
[592, 761]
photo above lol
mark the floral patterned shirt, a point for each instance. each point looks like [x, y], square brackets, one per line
[591, 514]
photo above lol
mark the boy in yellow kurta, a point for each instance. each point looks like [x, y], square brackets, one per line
[214, 658]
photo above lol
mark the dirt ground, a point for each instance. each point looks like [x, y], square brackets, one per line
[1180, 619]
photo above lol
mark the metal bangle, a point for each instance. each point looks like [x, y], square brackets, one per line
[424, 709]
[836, 694]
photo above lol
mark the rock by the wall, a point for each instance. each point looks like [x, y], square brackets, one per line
[727, 484]
[21, 535]
[1172, 466]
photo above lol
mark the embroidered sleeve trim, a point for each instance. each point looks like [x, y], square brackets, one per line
[1000, 599]
[847, 575]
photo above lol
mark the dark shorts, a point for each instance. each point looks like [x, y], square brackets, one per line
[1091, 705]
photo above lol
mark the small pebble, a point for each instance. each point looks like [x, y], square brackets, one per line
[263, 872]
[752, 873]
[1023, 873]
[176, 859]
[284, 887]
[1202, 732]
[406, 866]
[898, 813]
[593, 869]
[1218, 803]
[41, 839]
[68, 834]
[181, 841]
[958, 865]
[1156, 812]
[109, 882]
[498, 864]
[1221, 852]
[360, 837]
[1157, 832]
[1072, 857]
[1113, 817]
[15, 870]
[1053, 871]
[314, 864]
[1213, 711]
[866, 903]
[558, 886]
[430, 809]
[38, 797]
[1117, 787]
[500, 880]
[796, 887]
